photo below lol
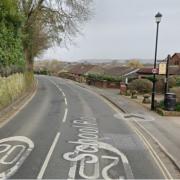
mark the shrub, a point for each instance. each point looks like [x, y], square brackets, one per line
[160, 85]
[176, 90]
[104, 77]
[178, 81]
[141, 85]
[178, 107]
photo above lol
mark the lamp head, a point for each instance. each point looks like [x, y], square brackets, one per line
[158, 17]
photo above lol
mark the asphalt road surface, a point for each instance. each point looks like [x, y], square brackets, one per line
[68, 132]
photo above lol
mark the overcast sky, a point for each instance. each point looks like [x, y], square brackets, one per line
[124, 29]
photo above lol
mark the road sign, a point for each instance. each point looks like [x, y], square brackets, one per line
[154, 71]
[162, 68]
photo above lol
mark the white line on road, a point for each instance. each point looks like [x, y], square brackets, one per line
[63, 94]
[45, 164]
[65, 115]
[65, 100]
[57, 87]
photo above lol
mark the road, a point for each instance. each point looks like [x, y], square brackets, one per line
[69, 132]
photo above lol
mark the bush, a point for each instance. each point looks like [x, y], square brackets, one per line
[178, 107]
[104, 77]
[141, 85]
[176, 90]
[160, 85]
[178, 81]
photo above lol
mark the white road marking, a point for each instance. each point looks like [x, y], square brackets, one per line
[19, 158]
[57, 87]
[65, 100]
[2, 161]
[65, 115]
[124, 159]
[134, 117]
[82, 170]
[72, 170]
[107, 168]
[63, 94]
[48, 157]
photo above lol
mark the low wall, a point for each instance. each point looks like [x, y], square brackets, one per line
[115, 85]
[103, 84]
[14, 86]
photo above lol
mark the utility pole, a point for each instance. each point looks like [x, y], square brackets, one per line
[158, 20]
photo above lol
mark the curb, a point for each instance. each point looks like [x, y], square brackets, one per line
[112, 102]
[172, 159]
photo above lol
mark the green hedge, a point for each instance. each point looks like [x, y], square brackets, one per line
[104, 77]
[11, 51]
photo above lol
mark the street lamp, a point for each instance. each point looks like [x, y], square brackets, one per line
[158, 17]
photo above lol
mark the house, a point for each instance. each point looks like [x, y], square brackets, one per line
[144, 72]
[121, 71]
[79, 71]
[175, 59]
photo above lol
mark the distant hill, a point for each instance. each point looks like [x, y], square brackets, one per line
[114, 61]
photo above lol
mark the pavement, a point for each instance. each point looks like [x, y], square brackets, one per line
[166, 130]
[69, 132]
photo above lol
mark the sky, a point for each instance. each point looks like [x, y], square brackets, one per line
[125, 29]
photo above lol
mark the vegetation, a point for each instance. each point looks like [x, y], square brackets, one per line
[13, 86]
[48, 67]
[104, 77]
[141, 85]
[30, 26]
[176, 90]
[178, 81]
[11, 51]
[177, 108]
[134, 64]
[49, 22]
[172, 82]
[160, 83]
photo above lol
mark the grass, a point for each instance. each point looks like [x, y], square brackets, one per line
[14, 86]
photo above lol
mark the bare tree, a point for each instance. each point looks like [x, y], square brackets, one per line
[134, 63]
[49, 22]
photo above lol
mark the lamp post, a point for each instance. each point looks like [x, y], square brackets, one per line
[158, 17]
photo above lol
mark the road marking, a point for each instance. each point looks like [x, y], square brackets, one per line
[65, 100]
[65, 115]
[161, 165]
[57, 87]
[48, 157]
[10, 146]
[88, 148]
[63, 94]
[2, 161]
[155, 156]
[134, 117]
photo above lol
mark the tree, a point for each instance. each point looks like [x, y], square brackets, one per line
[134, 64]
[11, 51]
[49, 22]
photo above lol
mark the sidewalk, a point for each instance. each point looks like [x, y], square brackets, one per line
[165, 129]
